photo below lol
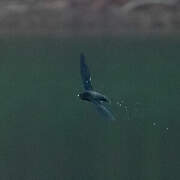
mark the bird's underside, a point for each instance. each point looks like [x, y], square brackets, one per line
[98, 96]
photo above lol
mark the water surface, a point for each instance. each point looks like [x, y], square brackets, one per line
[46, 132]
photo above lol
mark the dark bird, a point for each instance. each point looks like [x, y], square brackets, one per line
[89, 94]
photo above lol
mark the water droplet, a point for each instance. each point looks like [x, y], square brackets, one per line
[118, 103]
[154, 124]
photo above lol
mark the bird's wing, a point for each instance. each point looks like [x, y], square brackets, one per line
[102, 109]
[85, 73]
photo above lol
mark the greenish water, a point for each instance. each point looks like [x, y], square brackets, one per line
[46, 132]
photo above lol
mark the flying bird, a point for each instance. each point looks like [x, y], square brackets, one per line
[90, 94]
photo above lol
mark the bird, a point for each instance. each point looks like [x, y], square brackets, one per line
[90, 94]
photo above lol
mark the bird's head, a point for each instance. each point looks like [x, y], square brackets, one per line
[80, 95]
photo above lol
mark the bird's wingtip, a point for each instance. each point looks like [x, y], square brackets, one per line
[82, 55]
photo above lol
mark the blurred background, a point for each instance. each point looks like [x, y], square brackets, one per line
[89, 17]
[133, 50]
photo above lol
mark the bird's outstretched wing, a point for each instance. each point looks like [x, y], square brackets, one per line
[85, 73]
[103, 110]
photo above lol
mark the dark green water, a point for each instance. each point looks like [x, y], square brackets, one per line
[47, 133]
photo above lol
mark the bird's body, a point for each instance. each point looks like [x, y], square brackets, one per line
[91, 95]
